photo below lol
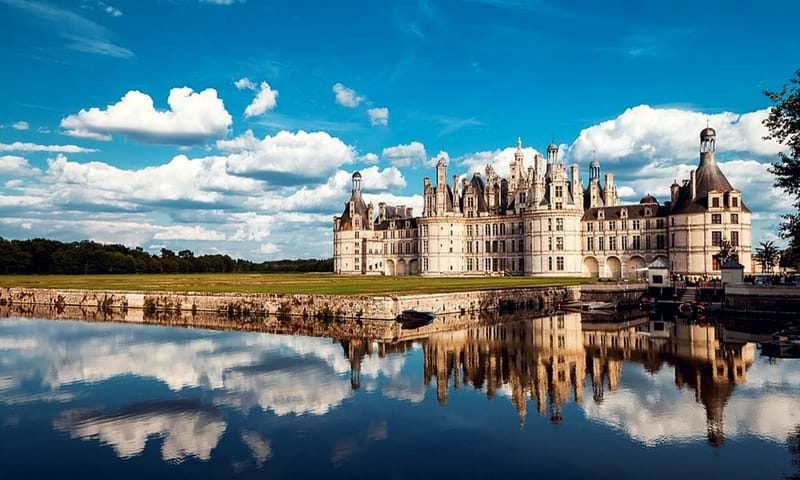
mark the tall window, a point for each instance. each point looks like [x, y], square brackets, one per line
[589, 227]
[716, 218]
[560, 263]
[660, 242]
[735, 202]
[612, 243]
[636, 242]
[624, 243]
[735, 239]
[549, 224]
[559, 243]
[715, 202]
[611, 225]
[549, 243]
[590, 243]
[600, 245]
[734, 218]
[549, 263]
[636, 224]
[716, 238]
[559, 224]
[559, 191]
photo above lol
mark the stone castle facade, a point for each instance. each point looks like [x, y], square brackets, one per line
[543, 221]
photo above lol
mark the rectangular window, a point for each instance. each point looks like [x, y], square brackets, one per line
[734, 218]
[502, 246]
[716, 239]
[636, 243]
[636, 225]
[549, 224]
[660, 242]
[559, 191]
[589, 227]
[559, 243]
[734, 239]
[716, 218]
[612, 243]
[660, 223]
[559, 224]
[600, 245]
[611, 225]
[549, 263]
[647, 242]
[624, 243]
[624, 224]
[549, 243]
[590, 243]
[559, 206]
[735, 202]
[715, 202]
[520, 247]
[560, 263]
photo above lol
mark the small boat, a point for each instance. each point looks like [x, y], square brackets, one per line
[411, 319]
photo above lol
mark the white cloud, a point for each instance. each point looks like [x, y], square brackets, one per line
[347, 97]
[369, 158]
[378, 116]
[14, 165]
[408, 155]
[644, 132]
[32, 147]
[113, 11]
[500, 161]
[21, 125]
[182, 232]
[286, 157]
[192, 118]
[267, 248]
[265, 100]
[245, 83]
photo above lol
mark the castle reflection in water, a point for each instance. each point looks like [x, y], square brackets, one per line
[548, 360]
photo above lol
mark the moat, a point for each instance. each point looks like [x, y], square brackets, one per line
[551, 394]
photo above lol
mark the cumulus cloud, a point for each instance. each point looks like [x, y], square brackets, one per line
[408, 155]
[193, 117]
[346, 97]
[21, 125]
[267, 248]
[182, 182]
[645, 132]
[266, 99]
[14, 165]
[378, 116]
[286, 157]
[499, 160]
[369, 158]
[245, 83]
[32, 147]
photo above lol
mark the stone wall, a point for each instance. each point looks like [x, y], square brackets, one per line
[310, 306]
[783, 299]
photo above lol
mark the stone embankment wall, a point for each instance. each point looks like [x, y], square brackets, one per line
[781, 299]
[313, 306]
[616, 292]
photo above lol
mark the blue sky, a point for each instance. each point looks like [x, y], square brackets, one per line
[234, 126]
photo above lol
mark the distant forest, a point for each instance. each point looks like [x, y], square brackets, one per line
[42, 256]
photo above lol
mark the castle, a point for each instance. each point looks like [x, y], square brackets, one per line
[543, 221]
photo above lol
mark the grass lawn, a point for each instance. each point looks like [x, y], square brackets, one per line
[280, 283]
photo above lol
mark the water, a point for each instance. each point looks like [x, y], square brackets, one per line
[547, 397]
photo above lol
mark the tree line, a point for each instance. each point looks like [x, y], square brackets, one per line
[43, 256]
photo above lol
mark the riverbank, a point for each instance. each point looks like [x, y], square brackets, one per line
[379, 307]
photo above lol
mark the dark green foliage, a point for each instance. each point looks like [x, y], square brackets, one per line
[41, 256]
[784, 126]
[767, 255]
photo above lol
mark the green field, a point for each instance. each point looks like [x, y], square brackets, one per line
[309, 283]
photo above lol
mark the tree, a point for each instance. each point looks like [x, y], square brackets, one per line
[767, 255]
[783, 123]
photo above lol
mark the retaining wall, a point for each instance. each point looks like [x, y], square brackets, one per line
[264, 304]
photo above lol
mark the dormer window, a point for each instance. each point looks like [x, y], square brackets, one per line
[648, 211]
[600, 214]
[714, 202]
[623, 213]
[734, 202]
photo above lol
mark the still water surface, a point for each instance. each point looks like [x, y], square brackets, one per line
[544, 397]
